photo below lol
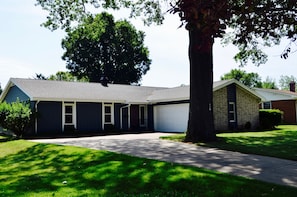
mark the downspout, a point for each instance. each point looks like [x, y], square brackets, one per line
[36, 111]
[121, 115]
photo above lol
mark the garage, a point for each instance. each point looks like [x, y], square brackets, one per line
[171, 117]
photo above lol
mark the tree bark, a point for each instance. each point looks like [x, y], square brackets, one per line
[201, 122]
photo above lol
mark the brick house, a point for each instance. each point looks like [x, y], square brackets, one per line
[284, 100]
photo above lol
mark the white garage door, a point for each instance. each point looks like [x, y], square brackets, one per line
[171, 118]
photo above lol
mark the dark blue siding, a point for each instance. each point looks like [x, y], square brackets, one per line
[117, 114]
[150, 116]
[231, 97]
[49, 118]
[15, 93]
[89, 117]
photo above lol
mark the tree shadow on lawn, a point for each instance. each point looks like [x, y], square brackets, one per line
[44, 170]
[277, 143]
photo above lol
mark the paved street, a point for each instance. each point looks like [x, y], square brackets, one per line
[149, 145]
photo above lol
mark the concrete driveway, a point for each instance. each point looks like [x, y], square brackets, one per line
[149, 145]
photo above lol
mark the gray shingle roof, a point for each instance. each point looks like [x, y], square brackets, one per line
[80, 91]
[274, 95]
[182, 92]
[47, 90]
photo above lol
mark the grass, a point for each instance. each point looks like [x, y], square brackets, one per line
[33, 169]
[281, 143]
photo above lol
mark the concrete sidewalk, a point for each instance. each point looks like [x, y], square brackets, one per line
[148, 145]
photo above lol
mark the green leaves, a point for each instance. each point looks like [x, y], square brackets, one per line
[248, 79]
[259, 23]
[16, 116]
[65, 14]
[102, 47]
[263, 22]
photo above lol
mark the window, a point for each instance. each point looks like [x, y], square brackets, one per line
[108, 113]
[69, 115]
[266, 105]
[232, 112]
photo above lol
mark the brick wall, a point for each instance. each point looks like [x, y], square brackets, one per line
[247, 109]
[289, 109]
[220, 109]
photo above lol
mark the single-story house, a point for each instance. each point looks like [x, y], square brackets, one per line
[90, 107]
[284, 100]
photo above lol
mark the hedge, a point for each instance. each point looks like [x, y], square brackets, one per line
[269, 118]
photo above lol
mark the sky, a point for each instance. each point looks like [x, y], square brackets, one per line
[26, 48]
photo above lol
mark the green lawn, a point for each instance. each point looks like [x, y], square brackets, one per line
[281, 143]
[34, 169]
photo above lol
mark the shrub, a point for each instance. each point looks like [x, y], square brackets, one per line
[269, 118]
[4, 111]
[16, 117]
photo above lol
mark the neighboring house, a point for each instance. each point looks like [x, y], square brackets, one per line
[91, 107]
[283, 100]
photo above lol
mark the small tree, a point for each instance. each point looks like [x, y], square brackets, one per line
[16, 117]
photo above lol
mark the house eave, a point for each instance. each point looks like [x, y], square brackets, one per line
[77, 100]
[247, 89]
[168, 100]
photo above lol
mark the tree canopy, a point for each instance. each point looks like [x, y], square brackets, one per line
[101, 47]
[248, 79]
[269, 83]
[285, 80]
[252, 80]
[248, 24]
[60, 76]
[65, 76]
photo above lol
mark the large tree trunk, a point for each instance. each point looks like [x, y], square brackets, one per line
[201, 123]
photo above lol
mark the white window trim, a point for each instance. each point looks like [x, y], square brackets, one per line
[232, 112]
[145, 115]
[73, 104]
[103, 114]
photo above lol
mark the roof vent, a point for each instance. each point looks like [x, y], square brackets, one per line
[292, 86]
